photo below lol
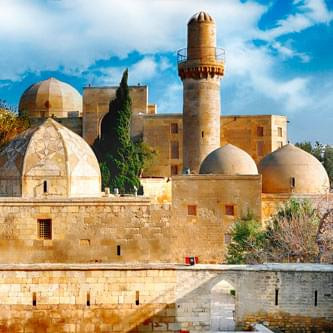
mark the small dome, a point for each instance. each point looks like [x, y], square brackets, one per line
[201, 17]
[50, 98]
[292, 170]
[229, 160]
[49, 161]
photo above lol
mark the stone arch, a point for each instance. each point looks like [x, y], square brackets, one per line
[222, 306]
[99, 124]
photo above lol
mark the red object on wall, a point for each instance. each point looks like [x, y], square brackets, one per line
[183, 331]
[191, 260]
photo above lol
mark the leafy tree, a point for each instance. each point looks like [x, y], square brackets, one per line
[298, 232]
[247, 241]
[328, 162]
[121, 159]
[292, 232]
[10, 123]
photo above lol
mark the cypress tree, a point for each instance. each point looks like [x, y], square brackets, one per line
[118, 156]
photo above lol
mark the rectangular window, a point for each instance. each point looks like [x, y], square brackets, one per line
[174, 128]
[260, 148]
[34, 299]
[192, 210]
[230, 210]
[292, 182]
[174, 170]
[137, 298]
[174, 149]
[279, 131]
[316, 298]
[118, 250]
[260, 131]
[45, 229]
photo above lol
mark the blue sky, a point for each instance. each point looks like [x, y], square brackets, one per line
[279, 53]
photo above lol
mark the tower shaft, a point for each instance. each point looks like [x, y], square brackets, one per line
[200, 67]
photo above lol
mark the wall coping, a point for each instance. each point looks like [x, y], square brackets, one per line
[215, 176]
[273, 267]
[84, 200]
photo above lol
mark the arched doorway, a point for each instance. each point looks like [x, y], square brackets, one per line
[222, 307]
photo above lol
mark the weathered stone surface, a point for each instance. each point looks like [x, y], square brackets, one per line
[170, 297]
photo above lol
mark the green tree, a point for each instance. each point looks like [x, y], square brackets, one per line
[121, 160]
[10, 123]
[328, 162]
[247, 239]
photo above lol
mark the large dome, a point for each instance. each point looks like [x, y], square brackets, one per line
[228, 160]
[49, 161]
[292, 170]
[51, 98]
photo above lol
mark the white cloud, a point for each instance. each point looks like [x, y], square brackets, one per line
[73, 35]
[308, 13]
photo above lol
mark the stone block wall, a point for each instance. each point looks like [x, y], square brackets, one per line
[87, 230]
[161, 298]
[199, 208]
[241, 131]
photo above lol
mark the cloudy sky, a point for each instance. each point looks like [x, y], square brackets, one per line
[279, 53]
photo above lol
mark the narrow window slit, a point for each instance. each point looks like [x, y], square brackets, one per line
[316, 298]
[276, 296]
[88, 298]
[202, 134]
[118, 250]
[34, 299]
[137, 298]
[45, 186]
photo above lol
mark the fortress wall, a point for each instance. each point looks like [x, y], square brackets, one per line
[161, 298]
[87, 230]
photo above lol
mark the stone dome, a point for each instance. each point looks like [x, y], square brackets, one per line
[201, 17]
[228, 160]
[49, 161]
[51, 98]
[292, 170]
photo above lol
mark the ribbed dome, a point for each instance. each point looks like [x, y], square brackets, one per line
[292, 170]
[228, 160]
[201, 17]
[49, 160]
[50, 98]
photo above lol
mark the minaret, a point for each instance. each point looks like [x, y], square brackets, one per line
[201, 68]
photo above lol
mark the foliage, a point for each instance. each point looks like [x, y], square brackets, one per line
[121, 159]
[10, 123]
[324, 153]
[298, 232]
[325, 237]
[292, 232]
[247, 241]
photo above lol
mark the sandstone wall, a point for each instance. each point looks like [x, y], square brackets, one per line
[241, 131]
[199, 210]
[161, 298]
[96, 104]
[87, 230]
